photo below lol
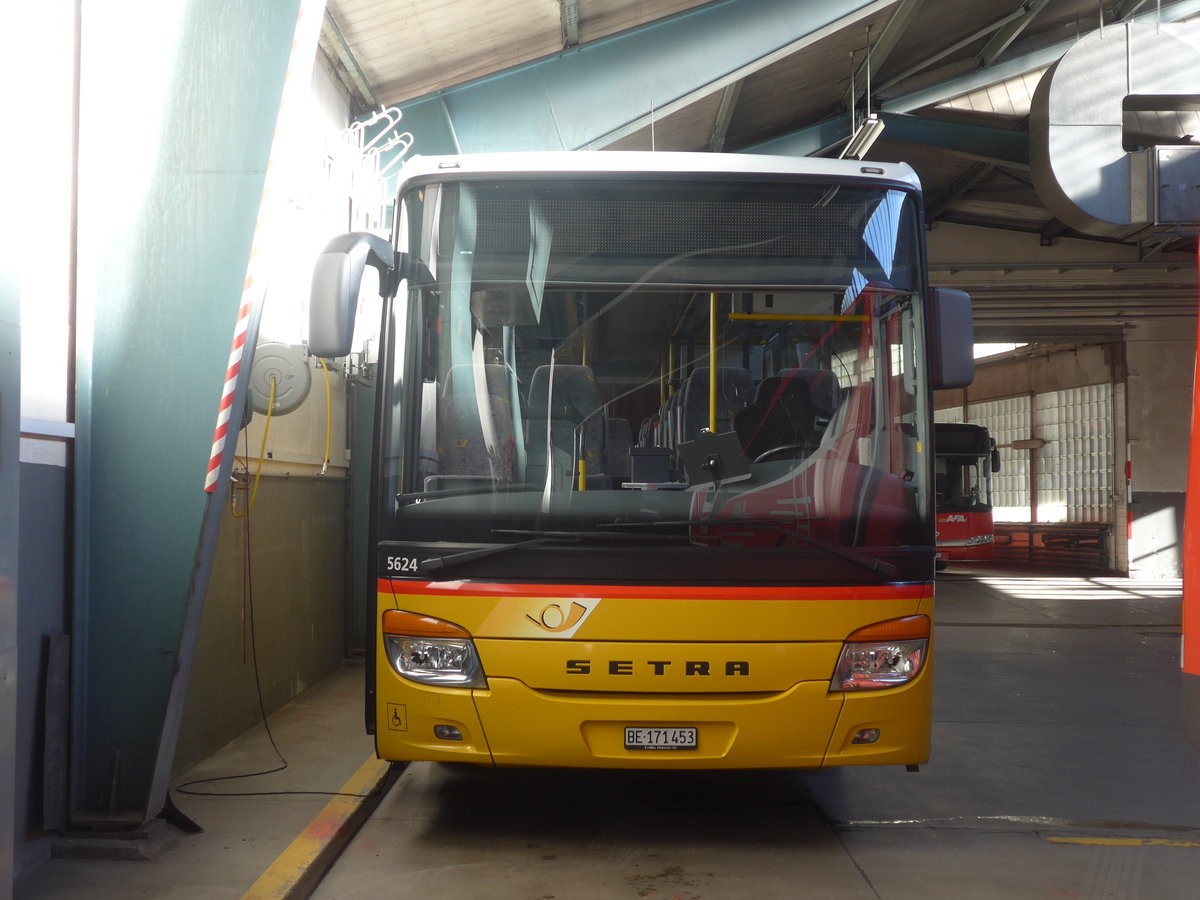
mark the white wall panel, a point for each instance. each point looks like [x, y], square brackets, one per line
[1075, 467]
[1007, 421]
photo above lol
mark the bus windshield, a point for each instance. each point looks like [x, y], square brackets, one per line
[657, 378]
[963, 456]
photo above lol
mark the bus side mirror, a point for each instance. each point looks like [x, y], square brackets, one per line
[995, 459]
[337, 277]
[951, 339]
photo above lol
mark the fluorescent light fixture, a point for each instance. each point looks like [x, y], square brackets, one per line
[862, 139]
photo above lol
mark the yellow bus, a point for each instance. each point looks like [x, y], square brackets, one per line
[652, 476]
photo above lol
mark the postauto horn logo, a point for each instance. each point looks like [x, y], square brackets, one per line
[555, 620]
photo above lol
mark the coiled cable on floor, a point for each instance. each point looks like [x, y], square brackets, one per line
[248, 587]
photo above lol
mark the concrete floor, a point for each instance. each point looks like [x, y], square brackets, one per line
[1059, 770]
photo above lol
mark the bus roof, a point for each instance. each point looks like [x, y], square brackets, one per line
[960, 438]
[641, 162]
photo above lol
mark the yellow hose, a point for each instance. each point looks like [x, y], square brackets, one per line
[262, 453]
[328, 416]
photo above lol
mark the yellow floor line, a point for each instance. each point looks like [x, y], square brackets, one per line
[1123, 842]
[297, 870]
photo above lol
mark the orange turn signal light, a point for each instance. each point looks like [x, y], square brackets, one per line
[397, 621]
[909, 628]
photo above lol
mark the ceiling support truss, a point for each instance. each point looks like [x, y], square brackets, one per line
[720, 129]
[878, 52]
[1010, 68]
[1010, 32]
[568, 11]
[961, 187]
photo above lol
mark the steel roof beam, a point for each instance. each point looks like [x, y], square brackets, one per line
[1018, 65]
[1126, 8]
[813, 140]
[729, 98]
[569, 15]
[599, 92]
[997, 146]
[962, 185]
[1010, 32]
[950, 51]
[994, 146]
[878, 52]
[349, 72]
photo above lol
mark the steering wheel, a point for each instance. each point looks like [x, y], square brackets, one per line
[782, 448]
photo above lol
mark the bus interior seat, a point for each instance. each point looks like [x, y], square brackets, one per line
[851, 422]
[428, 462]
[670, 434]
[735, 389]
[781, 415]
[475, 424]
[564, 401]
[617, 444]
[824, 391]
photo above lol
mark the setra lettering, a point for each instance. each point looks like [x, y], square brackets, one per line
[692, 668]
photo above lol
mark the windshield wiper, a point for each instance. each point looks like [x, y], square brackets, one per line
[536, 538]
[787, 526]
[416, 498]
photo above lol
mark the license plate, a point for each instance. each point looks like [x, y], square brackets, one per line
[660, 738]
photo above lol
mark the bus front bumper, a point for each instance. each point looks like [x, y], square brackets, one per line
[804, 727]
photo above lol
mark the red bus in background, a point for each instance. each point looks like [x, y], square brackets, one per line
[965, 456]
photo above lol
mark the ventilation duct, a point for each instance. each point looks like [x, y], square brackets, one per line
[1081, 170]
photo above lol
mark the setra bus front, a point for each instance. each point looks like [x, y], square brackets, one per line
[653, 485]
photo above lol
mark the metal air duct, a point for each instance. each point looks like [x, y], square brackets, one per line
[1081, 170]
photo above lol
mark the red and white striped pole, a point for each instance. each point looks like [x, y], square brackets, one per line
[295, 86]
[232, 371]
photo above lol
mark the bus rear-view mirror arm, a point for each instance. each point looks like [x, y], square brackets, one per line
[337, 277]
[951, 339]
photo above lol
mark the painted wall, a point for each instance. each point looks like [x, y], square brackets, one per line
[283, 628]
[44, 518]
[278, 593]
[1161, 356]
[1047, 369]
[44, 509]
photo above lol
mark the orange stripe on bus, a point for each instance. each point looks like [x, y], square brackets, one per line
[657, 592]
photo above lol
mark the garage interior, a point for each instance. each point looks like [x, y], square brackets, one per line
[178, 183]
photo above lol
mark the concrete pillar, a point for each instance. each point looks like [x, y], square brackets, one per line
[175, 133]
[1160, 355]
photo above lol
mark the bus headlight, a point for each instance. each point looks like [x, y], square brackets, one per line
[431, 651]
[883, 655]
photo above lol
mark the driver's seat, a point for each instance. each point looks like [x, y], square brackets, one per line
[781, 415]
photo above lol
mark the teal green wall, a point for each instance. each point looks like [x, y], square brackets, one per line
[174, 138]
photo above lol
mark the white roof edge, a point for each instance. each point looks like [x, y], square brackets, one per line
[653, 162]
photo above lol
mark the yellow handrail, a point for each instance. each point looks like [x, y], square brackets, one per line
[785, 317]
[712, 362]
